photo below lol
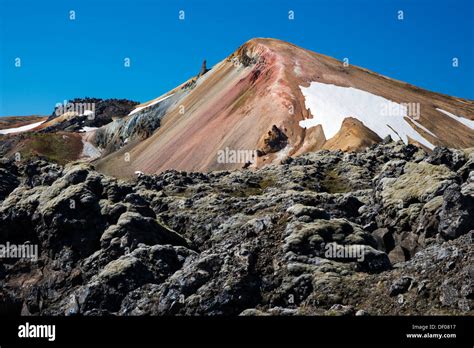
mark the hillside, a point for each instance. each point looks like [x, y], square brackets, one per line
[269, 87]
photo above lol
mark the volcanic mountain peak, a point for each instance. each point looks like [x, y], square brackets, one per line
[253, 51]
[269, 86]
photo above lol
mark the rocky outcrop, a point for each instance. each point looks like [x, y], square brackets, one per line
[352, 136]
[139, 124]
[383, 231]
[274, 141]
[204, 68]
[9, 180]
[104, 112]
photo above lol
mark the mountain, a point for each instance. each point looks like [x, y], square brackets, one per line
[77, 113]
[11, 124]
[276, 100]
[64, 135]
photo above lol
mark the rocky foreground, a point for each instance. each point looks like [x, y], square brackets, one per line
[245, 242]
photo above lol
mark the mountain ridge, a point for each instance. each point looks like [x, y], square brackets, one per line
[270, 97]
[259, 86]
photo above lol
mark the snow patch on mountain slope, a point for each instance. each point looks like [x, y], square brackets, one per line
[148, 105]
[87, 113]
[462, 120]
[20, 129]
[88, 129]
[330, 105]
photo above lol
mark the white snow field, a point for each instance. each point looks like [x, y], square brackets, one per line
[88, 129]
[87, 113]
[462, 120]
[330, 105]
[148, 105]
[20, 129]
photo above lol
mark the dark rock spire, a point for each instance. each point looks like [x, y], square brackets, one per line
[204, 68]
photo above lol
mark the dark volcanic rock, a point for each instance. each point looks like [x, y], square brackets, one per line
[400, 286]
[385, 231]
[274, 141]
[457, 213]
[8, 178]
[105, 110]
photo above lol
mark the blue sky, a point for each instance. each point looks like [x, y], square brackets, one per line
[62, 59]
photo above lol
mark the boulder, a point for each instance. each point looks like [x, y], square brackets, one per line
[457, 211]
[133, 228]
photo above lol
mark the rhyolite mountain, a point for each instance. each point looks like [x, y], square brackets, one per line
[268, 97]
[270, 89]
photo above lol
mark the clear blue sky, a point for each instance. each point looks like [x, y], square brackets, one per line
[63, 59]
